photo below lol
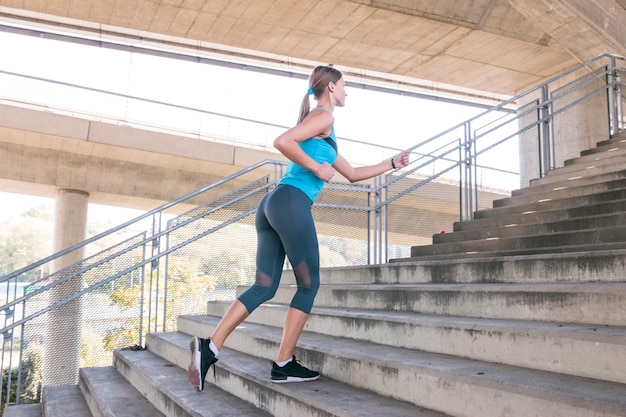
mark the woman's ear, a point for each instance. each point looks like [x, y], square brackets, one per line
[331, 86]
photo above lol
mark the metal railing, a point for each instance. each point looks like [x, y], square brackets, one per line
[139, 276]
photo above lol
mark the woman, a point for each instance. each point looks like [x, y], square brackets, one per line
[284, 225]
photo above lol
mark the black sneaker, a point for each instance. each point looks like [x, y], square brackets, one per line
[202, 357]
[292, 372]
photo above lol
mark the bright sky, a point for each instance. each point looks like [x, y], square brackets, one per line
[388, 119]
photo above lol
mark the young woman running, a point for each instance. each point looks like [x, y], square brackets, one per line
[284, 225]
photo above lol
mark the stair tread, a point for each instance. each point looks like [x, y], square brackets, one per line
[331, 396]
[171, 381]
[113, 394]
[595, 394]
[22, 410]
[63, 401]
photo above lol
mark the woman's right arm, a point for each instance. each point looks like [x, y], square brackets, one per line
[288, 143]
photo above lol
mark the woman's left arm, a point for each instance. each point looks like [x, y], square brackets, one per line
[353, 174]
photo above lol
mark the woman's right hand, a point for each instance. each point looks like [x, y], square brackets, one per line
[325, 172]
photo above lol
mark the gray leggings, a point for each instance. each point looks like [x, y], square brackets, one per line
[284, 226]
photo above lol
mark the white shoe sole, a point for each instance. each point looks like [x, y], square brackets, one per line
[194, 364]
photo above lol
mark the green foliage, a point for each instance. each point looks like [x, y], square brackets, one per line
[25, 239]
[120, 337]
[32, 366]
[93, 349]
[30, 390]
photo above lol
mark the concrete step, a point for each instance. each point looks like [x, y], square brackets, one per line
[575, 238]
[554, 250]
[617, 142]
[64, 401]
[108, 394]
[600, 154]
[557, 193]
[619, 137]
[570, 172]
[545, 216]
[166, 386]
[451, 385]
[246, 374]
[531, 229]
[553, 204]
[582, 303]
[607, 266]
[571, 183]
[22, 410]
[589, 351]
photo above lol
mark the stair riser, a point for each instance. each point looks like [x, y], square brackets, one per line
[533, 229]
[606, 307]
[519, 346]
[439, 391]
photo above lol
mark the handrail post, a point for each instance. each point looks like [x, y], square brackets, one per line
[613, 78]
[468, 173]
[545, 138]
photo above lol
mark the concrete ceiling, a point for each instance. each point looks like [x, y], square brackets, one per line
[498, 47]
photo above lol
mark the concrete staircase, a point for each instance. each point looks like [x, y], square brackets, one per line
[577, 208]
[521, 312]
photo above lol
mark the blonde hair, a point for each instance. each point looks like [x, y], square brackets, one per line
[319, 79]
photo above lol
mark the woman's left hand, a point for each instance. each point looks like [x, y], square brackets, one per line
[402, 159]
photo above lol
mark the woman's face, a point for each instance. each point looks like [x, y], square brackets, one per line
[339, 92]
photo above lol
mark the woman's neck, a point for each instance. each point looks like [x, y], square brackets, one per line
[325, 104]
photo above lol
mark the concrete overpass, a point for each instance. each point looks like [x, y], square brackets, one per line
[482, 50]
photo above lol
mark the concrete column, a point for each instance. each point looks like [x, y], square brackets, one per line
[63, 340]
[575, 129]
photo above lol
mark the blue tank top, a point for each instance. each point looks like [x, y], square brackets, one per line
[303, 179]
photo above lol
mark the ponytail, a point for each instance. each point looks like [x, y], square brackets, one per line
[318, 81]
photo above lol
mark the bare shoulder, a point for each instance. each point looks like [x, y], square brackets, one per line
[320, 121]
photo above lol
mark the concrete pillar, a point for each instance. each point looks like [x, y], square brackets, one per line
[63, 340]
[575, 129]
